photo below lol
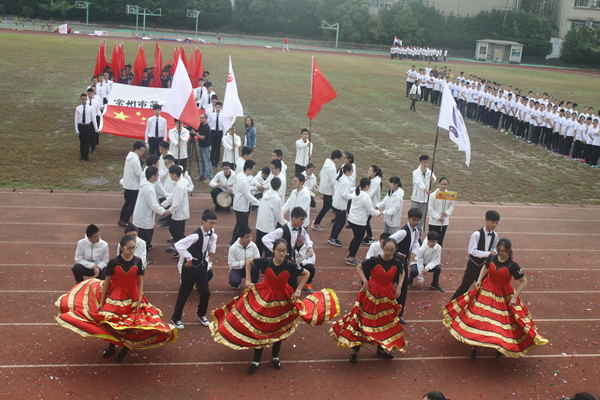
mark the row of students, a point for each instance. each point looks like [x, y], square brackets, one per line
[418, 53]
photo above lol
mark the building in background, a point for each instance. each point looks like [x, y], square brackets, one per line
[460, 8]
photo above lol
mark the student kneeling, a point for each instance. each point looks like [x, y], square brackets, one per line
[239, 252]
[428, 259]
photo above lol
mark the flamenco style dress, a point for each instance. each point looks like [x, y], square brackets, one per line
[265, 313]
[483, 317]
[374, 317]
[117, 323]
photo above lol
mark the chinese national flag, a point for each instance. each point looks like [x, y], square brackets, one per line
[321, 91]
[138, 66]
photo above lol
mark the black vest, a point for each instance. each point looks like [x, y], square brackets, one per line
[481, 243]
[287, 235]
[405, 244]
[196, 248]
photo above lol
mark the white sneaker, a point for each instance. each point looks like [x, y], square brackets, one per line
[178, 324]
[204, 320]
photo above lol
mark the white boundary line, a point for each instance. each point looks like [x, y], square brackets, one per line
[337, 291]
[409, 323]
[340, 360]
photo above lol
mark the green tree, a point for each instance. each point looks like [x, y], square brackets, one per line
[28, 11]
[581, 46]
[352, 15]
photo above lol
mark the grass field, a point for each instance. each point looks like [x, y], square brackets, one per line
[44, 75]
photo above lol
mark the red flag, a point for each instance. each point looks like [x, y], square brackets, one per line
[184, 58]
[181, 103]
[98, 69]
[199, 68]
[115, 67]
[121, 57]
[156, 82]
[175, 61]
[192, 71]
[138, 66]
[103, 61]
[321, 91]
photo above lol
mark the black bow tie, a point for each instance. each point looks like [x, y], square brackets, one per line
[207, 234]
[490, 234]
[295, 229]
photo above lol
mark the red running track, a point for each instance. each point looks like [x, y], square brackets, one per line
[555, 244]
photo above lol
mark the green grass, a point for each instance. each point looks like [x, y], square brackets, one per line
[44, 75]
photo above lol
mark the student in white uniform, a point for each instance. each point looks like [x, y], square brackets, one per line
[270, 214]
[156, 131]
[239, 252]
[91, 256]
[140, 245]
[422, 178]
[300, 197]
[310, 181]
[376, 248]
[374, 193]
[223, 181]
[307, 261]
[342, 193]
[392, 206]
[428, 259]
[327, 182]
[180, 207]
[440, 211]
[361, 209]
[304, 149]
[178, 139]
[131, 181]
[231, 146]
[147, 206]
[242, 199]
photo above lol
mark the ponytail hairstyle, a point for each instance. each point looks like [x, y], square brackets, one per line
[345, 168]
[507, 245]
[395, 180]
[378, 173]
[364, 182]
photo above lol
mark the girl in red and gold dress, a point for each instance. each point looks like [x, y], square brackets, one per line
[116, 309]
[374, 318]
[270, 311]
[492, 314]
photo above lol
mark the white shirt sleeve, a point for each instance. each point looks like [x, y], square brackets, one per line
[182, 245]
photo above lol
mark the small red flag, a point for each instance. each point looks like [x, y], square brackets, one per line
[184, 58]
[199, 67]
[321, 91]
[175, 61]
[138, 66]
[103, 61]
[115, 67]
[98, 69]
[156, 82]
[192, 71]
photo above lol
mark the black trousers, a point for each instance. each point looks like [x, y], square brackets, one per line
[189, 277]
[338, 225]
[567, 145]
[327, 200]
[214, 193]
[237, 275]
[471, 274]
[130, 199]
[402, 299]
[86, 133]
[146, 235]
[215, 147]
[441, 230]
[177, 229]
[97, 134]
[182, 162]
[261, 246]
[359, 235]
[153, 144]
[274, 352]
[595, 155]
[311, 270]
[408, 86]
[241, 219]
[79, 271]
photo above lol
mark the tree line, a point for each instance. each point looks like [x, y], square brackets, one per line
[415, 23]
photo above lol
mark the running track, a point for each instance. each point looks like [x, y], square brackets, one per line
[555, 244]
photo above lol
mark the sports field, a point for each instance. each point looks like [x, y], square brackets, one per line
[45, 73]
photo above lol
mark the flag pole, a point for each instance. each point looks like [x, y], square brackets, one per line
[312, 67]
[432, 166]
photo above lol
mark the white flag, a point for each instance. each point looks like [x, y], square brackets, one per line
[232, 107]
[181, 103]
[451, 120]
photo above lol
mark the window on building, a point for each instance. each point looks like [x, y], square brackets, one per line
[596, 25]
[582, 3]
[575, 24]
[483, 50]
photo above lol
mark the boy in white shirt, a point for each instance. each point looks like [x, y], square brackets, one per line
[422, 178]
[223, 181]
[310, 181]
[428, 259]
[270, 213]
[178, 139]
[376, 248]
[300, 197]
[278, 155]
[242, 250]
[91, 256]
[328, 176]
[131, 181]
[304, 150]
[307, 261]
[140, 245]
[231, 146]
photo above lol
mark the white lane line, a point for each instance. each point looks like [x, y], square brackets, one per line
[328, 361]
[74, 244]
[234, 292]
[344, 267]
[409, 323]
